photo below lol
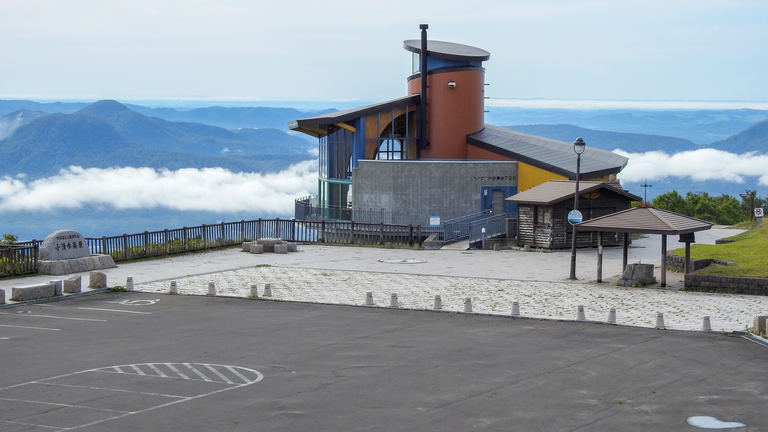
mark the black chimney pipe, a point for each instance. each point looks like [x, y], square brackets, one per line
[423, 143]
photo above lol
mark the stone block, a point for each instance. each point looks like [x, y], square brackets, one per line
[281, 248]
[31, 292]
[73, 284]
[247, 246]
[256, 248]
[293, 247]
[637, 275]
[2, 296]
[759, 325]
[97, 280]
[64, 245]
[269, 243]
[57, 287]
[76, 265]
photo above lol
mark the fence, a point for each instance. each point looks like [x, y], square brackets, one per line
[18, 259]
[488, 227]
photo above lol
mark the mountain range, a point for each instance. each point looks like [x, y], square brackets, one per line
[108, 133]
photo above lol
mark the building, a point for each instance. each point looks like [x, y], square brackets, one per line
[430, 153]
[542, 212]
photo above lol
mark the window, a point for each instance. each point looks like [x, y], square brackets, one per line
[390, 149]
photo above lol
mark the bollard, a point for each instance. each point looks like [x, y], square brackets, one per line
[393, 300]
[129, 283]
[58, 287]
[515, 309]
[174, 289]
[612, 316]
[254, 291]
[211, 289]
[659, 320]
[369, 298]
[580, 313]
[468, 304]
[705, 325]
[267, 290]
[438, 302]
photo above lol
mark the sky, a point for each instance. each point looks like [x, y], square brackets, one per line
[670, 50]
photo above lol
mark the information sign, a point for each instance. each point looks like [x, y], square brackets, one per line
[434, 221]
[574, 217]
[759, 212]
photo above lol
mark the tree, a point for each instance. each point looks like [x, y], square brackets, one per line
[671, 201]
[9, 238]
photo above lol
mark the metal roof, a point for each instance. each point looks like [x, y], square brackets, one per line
[552, 155]
[448, 50]
[555, 191]
[317, 126]
[645, 219]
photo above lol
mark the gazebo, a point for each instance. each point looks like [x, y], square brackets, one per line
[648, 220]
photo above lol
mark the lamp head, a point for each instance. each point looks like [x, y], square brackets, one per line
[579, 146]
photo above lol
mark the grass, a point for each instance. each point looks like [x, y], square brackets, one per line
[748, 250]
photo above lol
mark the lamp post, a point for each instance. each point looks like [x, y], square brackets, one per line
[578, 147]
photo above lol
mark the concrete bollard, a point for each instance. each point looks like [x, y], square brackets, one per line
[211, 289]
[705, 325]
[254, 291]
[174, 289]
[515, 309]
[612, 316]
[580, 313]
[97, 280]
[468, 304]
[393, 300]
[58, 287]
[369, 298]
[267, 290]
[129, 283]
[438, 302]
[660, 321]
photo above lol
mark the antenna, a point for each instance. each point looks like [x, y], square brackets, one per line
[645, 187]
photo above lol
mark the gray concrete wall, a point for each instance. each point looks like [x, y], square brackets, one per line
[418, 189]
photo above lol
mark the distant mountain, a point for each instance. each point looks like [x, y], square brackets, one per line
[631, 142]
[8, 105]
[754, 138]
[13, 120]
[107, 133]
[231, 117]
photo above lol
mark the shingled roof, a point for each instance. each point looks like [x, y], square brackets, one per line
[645, 219]
[554, 191]
[552, 155]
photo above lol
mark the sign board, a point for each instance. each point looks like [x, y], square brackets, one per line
[64, 244]
[574, 217]
[759, 212]
[434, 221]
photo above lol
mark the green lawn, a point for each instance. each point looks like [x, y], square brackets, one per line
[749, 251]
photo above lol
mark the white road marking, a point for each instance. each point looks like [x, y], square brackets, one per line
[138, 371]
[4, 338]
[28, 327]
[157, 370]
[115, 310]
[32, 424]
[238, 374]
[62, 405]
[178, 372]
[139, 302]
[27, 314]
[197, 372]
[212, 369]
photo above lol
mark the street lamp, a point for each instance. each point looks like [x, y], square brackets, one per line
[578, 147]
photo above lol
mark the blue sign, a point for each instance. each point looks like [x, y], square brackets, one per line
[434, 221]
[574, 217]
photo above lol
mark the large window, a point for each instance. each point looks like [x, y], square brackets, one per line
[396, 138]
[390, 149]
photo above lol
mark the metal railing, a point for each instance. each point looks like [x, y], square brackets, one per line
[459, 228]
[494, 226]
[18, 260]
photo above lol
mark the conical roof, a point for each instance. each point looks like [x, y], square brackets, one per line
[645, 219]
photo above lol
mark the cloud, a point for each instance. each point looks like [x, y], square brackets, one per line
[207, 189]
[700, 165]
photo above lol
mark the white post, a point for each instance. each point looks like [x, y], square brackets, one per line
[705, 325]
[174, 289]
[393, 300]
[438, 302]
[468, 304]
[267, 290]
[254, 291]
[211, 289]
[659, 320]
[129, 283]
[580, 314]
[515, 309]
[369, 298]
[612, 316]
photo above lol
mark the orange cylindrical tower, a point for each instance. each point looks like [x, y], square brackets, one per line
[455, 96]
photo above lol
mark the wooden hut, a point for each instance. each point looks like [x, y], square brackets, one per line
[542, 212]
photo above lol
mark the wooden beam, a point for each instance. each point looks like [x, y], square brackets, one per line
[346, 126]
[625, 253]
[599, 256]
[663, 260]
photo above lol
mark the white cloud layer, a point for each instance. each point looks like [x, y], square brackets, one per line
[207, 189]
[700, 165]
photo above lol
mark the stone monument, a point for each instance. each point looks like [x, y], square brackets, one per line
[66, 251]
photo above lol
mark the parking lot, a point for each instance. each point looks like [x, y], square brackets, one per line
[144, 361]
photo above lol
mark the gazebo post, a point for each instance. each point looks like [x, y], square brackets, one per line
[663, 260]
[625, 252]
[687, 257]
[599, 256]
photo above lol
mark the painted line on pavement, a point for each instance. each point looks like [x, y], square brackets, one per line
[115, 310]
[29, 327]
[54, 317]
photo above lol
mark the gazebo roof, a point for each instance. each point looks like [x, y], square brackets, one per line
[555, 191]
[645, 219]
